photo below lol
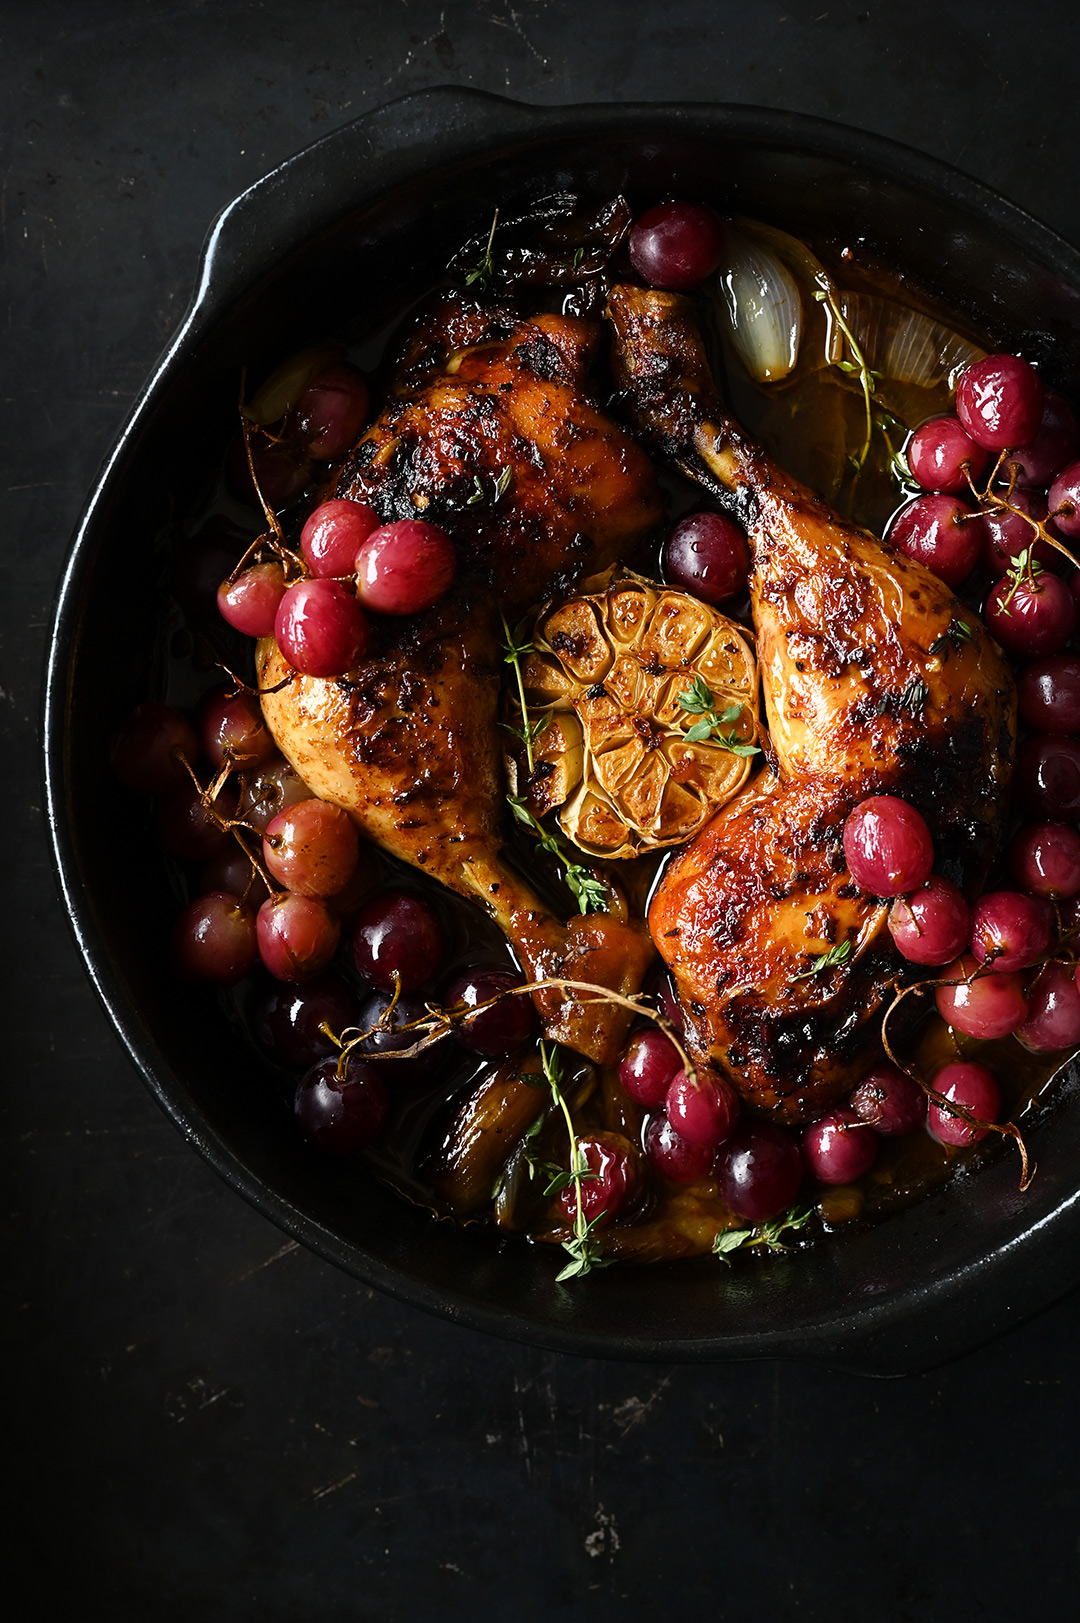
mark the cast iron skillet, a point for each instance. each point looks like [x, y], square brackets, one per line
[349, 225]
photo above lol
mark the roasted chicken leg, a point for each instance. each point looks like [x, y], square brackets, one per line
[489, 433]
[875, 679]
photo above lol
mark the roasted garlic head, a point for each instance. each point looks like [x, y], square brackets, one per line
[641, 704]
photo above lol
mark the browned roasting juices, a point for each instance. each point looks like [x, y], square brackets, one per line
[574, 609]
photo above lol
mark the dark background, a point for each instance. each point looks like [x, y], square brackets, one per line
[200, 1418]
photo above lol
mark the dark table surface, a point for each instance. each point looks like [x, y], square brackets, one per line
[201, 1418]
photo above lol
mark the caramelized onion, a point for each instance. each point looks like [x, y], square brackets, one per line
[762, 307]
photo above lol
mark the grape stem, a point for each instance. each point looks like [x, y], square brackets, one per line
[989, 498]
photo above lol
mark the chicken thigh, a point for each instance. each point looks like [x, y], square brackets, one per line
[876, 679]
[489, 433]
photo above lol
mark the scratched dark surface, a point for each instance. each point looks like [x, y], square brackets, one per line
[201, 1419]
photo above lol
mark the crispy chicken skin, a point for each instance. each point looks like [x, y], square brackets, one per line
[876, 679]
[408, 742]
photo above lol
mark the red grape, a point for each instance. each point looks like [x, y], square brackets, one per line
[501, 1029]
[613, 1181]
[287, 1020]
[188, 829]
[839, 1148]
[648, 1066]
[703, 1112]
[941, 532]
[706, 554]
[342, 1117]
[676, 245]
[1064, 501]
[150, 748]
[1008, 534]
[999, 400]
[387, 1037]
[281, 473]
[269, 791]
[1031, 617]
[233, 730]
[1053, 1020]
[760, 1170]
[234, 872]
[660, 987]
[1046, 778]
[1010, 930]
[334, 534]
[214, 940]
[251, 601]
[312, 848]
[931, 925]
[405, 567]
[297, 936]
[1049, 694]
[888, 846]
[943, 456]
[330, 413]
[199, 565]
[397, 937]
[1055, 443]
[1045, 859]
[890, 1102]
[675, 1157]
[991, 1006]
[964, 1083]
[321, 628]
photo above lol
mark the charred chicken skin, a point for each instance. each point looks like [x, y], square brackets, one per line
[489, 432]
[876, 679]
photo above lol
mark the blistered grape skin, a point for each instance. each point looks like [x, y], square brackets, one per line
[888, 846]
[297, 936]
[839, 1147]
[991, 1006]
[342, 1117]
[334, 534]
[1010, 930]
[312, 848]
[213, 940]
[1045, 859]
[676, 245]
[150, 747]
[999, 401]
[648, 1066]
[251, 601]
[931, 925]
[673, 1156]
[890, 1102]
[759, 1171]
[613, 1181]
[703, 1111]
[1053, 1020]
[965, 1083]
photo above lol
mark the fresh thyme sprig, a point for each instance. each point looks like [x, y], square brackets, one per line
[699, 700]
[584, 1251]
[766, 1234]
[868, 380]
[502, 485]
[529, 731]
[589, 891]
[484, 269]
[832, 959]
[1024, 571]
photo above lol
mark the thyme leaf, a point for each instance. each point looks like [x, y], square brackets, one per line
[502, 483]
[477, 494]
[832, 959]
[583, 1248]
[699, 700]
[484, 269]
[588, 889]
[769, 1235]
